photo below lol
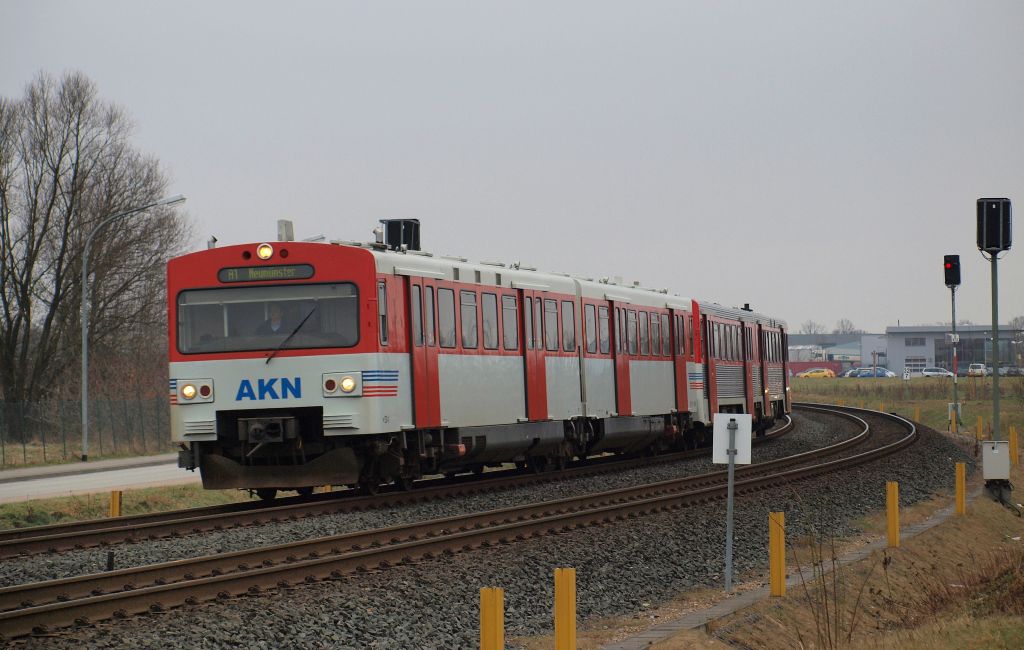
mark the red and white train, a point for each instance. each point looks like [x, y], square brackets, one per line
[295, 364]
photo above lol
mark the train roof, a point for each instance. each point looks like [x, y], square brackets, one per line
[519, 276]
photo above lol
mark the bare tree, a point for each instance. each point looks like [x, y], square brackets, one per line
[846, 326]
[812, 327]
[66, 163]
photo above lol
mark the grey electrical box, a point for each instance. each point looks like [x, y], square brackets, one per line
[994, 225]
[995, 460]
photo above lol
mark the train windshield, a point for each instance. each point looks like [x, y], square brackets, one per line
[290, 317]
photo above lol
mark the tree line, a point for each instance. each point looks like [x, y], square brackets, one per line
[67, 162]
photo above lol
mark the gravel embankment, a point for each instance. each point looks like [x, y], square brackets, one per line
[621, 569]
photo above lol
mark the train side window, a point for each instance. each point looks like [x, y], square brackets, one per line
[417, 316]
[737, 351]
[688, 338]
[718, 341]
[666, 338]
[551, 325]
[568, 326]
[620, 330]
[538, 323]
[446, 318]
[382, 311]
[470, 334]
[645, 343]
[489, 305]
[528, 322]
[602, 329]
[590, 325]
[428, 316]
[655, 335]
[631, 330]
[510, 322]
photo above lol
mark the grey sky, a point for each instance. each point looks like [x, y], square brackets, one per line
[815, 159]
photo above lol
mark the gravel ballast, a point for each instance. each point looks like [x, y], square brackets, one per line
[622, 568]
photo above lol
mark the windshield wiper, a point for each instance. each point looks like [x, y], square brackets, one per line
[289, 337]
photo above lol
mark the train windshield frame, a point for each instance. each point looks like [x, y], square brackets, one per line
[266, 318]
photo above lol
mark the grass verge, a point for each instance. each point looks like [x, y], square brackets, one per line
[41, 512]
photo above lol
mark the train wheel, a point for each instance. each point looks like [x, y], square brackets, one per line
[538, 464]
[267, 494]
[370, 486]
[561, 462]
[521, 464]
[405, 483]
[305, 491]
[478, 470]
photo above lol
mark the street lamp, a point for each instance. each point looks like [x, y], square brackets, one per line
[170, 200]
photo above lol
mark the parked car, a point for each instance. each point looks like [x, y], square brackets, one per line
[848, 373]
[817, 373]
[936, 372]
[976, 370]
[1013, 371]
[878, 372]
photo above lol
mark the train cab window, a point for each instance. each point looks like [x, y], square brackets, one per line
[489, 307]
[590, 325]
[568, 326]
[510, 322]
[602, 330]
[717, 327]
[470, 335]
[295, 316]
[528, 322]
[551, 325]
[655, 335]
[631, 338]
[416, 309]
[665, 336]
[382, 311]
[446, 318]
[428, 317]
[645, 343]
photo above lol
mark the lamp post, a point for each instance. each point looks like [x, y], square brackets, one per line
[170, 200]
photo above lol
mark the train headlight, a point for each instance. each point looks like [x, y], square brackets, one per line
[264, 251]
[343, 384]
[192, 391]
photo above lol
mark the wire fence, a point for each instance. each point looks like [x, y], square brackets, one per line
[33, 433]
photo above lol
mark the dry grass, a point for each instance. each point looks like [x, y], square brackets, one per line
[41, 512]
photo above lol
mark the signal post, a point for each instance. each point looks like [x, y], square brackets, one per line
[951, 266]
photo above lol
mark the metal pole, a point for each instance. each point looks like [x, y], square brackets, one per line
[731, 451]
[956, 401]
[171, 200]
[995, 350]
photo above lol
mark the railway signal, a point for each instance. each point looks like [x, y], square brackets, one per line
[951, 265]
[951, 268]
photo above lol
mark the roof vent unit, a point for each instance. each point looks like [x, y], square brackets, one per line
[401, 232]
[746, 307]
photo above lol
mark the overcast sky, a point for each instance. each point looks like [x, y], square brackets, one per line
[815, 159]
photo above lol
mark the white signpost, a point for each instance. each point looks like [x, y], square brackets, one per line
[731, 445]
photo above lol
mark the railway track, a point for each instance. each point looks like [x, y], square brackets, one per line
[86, 534]
[39, 607]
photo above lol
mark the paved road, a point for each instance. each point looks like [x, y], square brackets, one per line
[64, 483]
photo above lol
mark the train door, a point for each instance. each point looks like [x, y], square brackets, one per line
[423, 332]
[534, 365]
[678, 320]
[713, 336]
[747, 332]
[620, 355]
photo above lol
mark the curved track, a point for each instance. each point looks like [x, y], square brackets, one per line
[38, 607]
[84, 534]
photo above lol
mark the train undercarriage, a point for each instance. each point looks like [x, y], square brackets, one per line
[285, 449]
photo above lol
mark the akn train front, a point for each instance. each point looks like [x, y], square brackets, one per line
[296, 364]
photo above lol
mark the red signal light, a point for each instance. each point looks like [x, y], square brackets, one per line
[948, 265]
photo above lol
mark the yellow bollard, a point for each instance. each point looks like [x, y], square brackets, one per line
[862, 403]
[115, 503]
[1013, 445]
[565, 609]
[955, 426]
[980, 434]
[492, 618]
[842, 402]
[777, 553]
[892, 507]
[881, 407]
[917, 414]
[961, 488]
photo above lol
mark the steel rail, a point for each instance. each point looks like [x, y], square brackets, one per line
[401, 544]
[76, 535]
